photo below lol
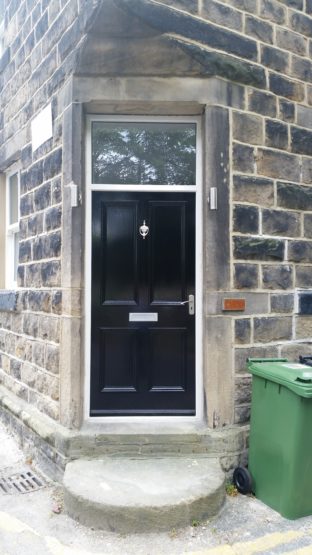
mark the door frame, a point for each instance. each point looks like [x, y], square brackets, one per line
[197, 189]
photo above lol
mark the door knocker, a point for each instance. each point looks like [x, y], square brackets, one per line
[144, 229]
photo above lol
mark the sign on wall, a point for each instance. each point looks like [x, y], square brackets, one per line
[41, 127]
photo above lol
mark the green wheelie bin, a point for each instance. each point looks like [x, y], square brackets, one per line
[280, 451]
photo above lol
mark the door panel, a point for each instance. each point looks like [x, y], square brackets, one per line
[142, 367]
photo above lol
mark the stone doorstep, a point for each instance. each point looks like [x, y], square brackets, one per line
[133, 495]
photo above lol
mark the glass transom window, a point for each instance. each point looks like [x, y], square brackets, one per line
[133, 153]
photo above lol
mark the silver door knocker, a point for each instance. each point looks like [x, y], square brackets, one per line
[144, 229]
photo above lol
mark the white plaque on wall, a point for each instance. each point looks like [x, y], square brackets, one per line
[41, 127]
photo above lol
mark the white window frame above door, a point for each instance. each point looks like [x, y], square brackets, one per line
[11, 230]
[197, 190]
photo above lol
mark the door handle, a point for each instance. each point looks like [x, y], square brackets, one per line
[191, 304]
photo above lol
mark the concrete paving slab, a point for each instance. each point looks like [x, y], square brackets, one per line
[143, 494]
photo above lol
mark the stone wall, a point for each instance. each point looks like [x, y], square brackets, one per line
[264, 47]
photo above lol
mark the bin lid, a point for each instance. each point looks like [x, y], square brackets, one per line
[295, 376]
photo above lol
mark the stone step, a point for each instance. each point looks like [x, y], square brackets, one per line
[133, 495]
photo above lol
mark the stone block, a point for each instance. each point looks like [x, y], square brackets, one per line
[26, 204]
[273, 11]
[303, 326]
[259, 29]
[305, 303]
[300, 251]
[301, 140]
[282, 303]
[38, 353]
[245, 219]
[301, 69]
[304, 116]
[42, 196]
[30, 324]
[57, 302]
[33, 275]
[28, 374]
[15, 368]
[69, 40]
[281, 222]
[288, 40]
[246, 276]
[262, 103]
[53, 218]
[257, 248]
[276, 134]
[242, 414]
[243, 389]
[52, 165]
[247, 128]
[308, 226]
[25, 251]
[301, 24]
[290, 195]
[242, 330]
[39, 301]
[35, 175]
[56, 190]
[221, 14]
[35, 225]
[294, 350]
[307, 170]
[243, 158]
[282, 86]
[255, 190]
[303, 276]
[277, 277]
[274, 58]
[51, 273]
[52, 359]
[49, 328]
[273, 328]
[272, 163]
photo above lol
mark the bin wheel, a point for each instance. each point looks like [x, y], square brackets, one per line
[242, 480]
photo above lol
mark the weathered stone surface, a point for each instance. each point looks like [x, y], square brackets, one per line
[272, 329]
[282, 303]
[247, 128]
[53, 164]
[285, 87]
[243, 353]
[277, 277]
[301, 68]
[304, 116]
[53, 218]
[303, 276]
[42, 197]
[259, 29]
[308, 226]
[272, 163]
[273, 11]
[281, 222]
[243, 389]
[35, 225]
[305, 303]
[288, 40]
[301, 140]
[294, 350]
[262, 103]
[286, 110]
[256, 248]
[221, 14]
[276, 134]
[300, 251]
[290, 195]
[38, 352]
[49, 328]
[246, 219]
[51, 273]
[39, 301]
[242, 414]
[246, 276]
[253, 189]
[8, 301]
[274, 58]
[242, 330]
[301, 24]
[303, 325]
[307, 170]
[243, 158]
[30, 324]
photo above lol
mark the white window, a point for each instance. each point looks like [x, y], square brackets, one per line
[12, 228]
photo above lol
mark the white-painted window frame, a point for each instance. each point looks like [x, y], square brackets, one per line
[197, 189]
[11, 230]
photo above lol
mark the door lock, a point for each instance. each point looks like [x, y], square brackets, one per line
[191, 304]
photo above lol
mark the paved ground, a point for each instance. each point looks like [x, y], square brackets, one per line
[31, 525]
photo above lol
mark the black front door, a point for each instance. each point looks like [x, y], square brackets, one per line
[143, 337]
